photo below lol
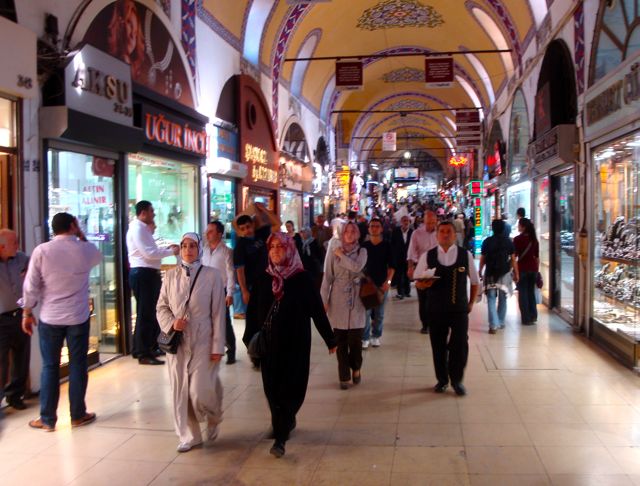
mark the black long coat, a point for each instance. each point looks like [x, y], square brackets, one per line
[285, 370]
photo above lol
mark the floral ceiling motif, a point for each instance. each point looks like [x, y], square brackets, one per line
[399, 13]
[404, 75]
[407, 120]
[408, 105]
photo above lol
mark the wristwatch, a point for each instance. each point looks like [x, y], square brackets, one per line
[388, 282]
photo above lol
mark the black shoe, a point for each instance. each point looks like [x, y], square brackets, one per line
[424, 330]
[277, 450]
[459, 389]
[231, 359]
[398, 297]
[256, 364]
[407, 295]
[293, 425]
[150, 360]
[440, 387]
[17, 404]
[158, 352]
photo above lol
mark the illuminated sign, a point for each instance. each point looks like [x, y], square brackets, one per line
[458, 160]
[260, 171]
[476, 188]
[169, 131]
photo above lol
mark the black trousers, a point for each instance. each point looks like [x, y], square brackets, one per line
[349, 351]
[145, 284]
[423, 295]
[230, 335]
[527, 297]
[403, 283]
[450, 355]
[14, 343]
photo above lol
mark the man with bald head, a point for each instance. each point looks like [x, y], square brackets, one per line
[423, 239]
[14, 374]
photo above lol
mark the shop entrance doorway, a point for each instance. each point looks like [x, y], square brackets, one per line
[563, 186]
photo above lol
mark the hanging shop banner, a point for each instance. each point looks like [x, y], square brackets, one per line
[389, 142]
[171, 131]
[257, 141]
[468, 129]
[223, 154]
[132, 33]
[99, 85]
[438, 72]
[406, 174]
[296, 175]
[349, 75]
[614, 100]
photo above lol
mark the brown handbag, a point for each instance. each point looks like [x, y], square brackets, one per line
[370, 295]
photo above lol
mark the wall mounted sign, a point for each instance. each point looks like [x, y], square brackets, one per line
[468, 129]
[438, 72]
[296, 175]
[261, 171]
[615, 97]
[475, 188]
[225, 143]
[556, 143]
[389, 142]
[99, 85]
[349, 75]
[173, 132]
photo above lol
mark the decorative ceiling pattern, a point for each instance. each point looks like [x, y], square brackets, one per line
[399, 13]
[404, 75]
[408, 104]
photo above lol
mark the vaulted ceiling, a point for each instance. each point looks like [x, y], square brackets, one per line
[269, 31]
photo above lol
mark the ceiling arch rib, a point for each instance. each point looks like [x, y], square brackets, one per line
[483, 76]
[255, 23]
[496, 36]
[300, 69]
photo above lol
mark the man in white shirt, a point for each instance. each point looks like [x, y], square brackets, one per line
[58, 281]
[423, 239]
[219, 256]
[144, 279]
[449, 305]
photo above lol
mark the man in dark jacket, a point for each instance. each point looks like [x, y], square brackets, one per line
[400, 238]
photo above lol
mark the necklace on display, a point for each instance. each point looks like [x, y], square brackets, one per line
[160, 66]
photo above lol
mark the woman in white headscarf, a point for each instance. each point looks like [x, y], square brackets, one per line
[193, 371]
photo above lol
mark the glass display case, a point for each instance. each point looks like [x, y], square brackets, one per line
[616, 263]
[542, 223]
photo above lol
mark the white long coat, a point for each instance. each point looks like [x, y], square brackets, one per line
[195, 385]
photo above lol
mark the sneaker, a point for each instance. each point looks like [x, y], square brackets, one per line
[492, 330]
[365, 344]
[398, 297]
[239, 316]
[501, 326]
[187, 446]
[375, 342]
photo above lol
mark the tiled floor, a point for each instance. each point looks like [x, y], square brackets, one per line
[545, 406]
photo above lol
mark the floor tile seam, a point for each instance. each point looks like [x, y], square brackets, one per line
[569, 447]
[103, 456]
[160, 473]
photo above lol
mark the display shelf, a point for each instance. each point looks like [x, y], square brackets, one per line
[615, 301]
[620, 260]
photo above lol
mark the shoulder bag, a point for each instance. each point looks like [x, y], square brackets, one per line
[170, 341]
[370, 295]
[260, 342]
[539, 281]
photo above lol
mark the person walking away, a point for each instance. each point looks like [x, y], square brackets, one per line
[286, 296]
[58, 281]
[219, 256]
[145, 258]
[528, 259]
[498, 261]
[449, 306]
[400, 239]
[458, 222]
[322, 234]
[380, 268]
[423, 239]
[311, 256]
[507, 227]
[192, 301]
[15, 345]
[341, 296]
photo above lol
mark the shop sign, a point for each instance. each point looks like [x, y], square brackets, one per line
[389, 142]
[99, 85]
[614, 99]
[556, 143]
[96, 195]
[468, 129]
[295, 175]
[438, 72]
[349, 75]
[173, 132]
[226, 143]
[477, 216]
[259, 160]
[475, 188]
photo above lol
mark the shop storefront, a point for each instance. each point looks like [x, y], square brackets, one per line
[612, 132]
[85, 142]
[296, 179]
[319, 199]
[257, 146]
[18, 81]
[225, 174]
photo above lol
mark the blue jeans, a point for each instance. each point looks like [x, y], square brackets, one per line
[496, 316]
[51, 341]
[239, 307]
[377, 315]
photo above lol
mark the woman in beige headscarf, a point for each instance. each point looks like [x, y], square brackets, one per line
[193, 371]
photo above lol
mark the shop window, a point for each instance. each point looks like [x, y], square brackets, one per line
[82, 185]
[290, 208]
[616, 265]
[542, 222]
[171, 187]
[223, 204]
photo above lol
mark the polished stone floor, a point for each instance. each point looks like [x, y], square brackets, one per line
[545, 406]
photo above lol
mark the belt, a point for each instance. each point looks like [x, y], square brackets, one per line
[13, 313]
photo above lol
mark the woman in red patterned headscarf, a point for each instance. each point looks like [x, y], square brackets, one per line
[283, 301]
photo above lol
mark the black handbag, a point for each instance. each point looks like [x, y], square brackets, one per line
[260, 342]
[170, 341]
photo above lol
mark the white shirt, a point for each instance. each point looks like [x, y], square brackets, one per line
[143, 250]
[421, 242]
[448, 258]
[404, 234]
[222, 260]
[58, 280]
